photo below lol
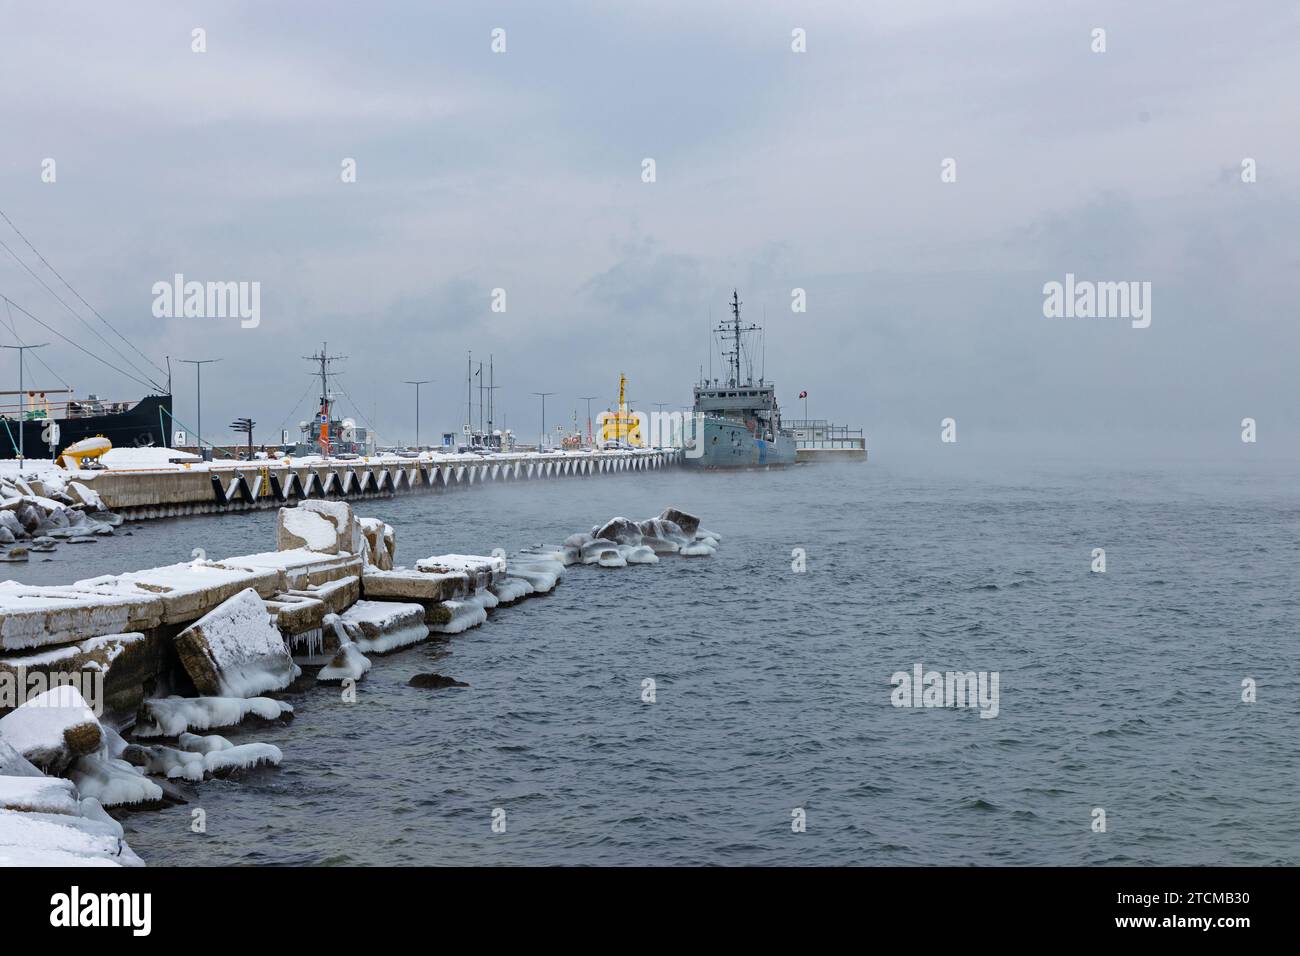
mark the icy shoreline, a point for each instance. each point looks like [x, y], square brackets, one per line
[186, 651]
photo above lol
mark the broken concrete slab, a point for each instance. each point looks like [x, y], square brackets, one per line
[298, 568]
[187, 590]
[299, 528]
[404, 584]
[296, 614]
[380, 542]
[337, 595]
[121, 664]
[33, 616]
[383, 626]
[235, 650]
[483, 570]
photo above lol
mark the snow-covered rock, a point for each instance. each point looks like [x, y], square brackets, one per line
[542, 575]
[114, 782]
[173, 716]
[639, 554]
[85, 496]
[236, 650]
[88, 837]
[53, 729]
[14, 764]
[302, 528]
[338, 514]
[511, 590]
[39, 794]
[220, 757]
[348, 664]
[619, 530]
[684, 520]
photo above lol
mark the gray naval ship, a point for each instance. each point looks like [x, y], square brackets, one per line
[741, 419]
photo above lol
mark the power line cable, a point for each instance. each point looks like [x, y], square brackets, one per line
[78, 294]
[76, 345]
[13, 330]
[78, 317]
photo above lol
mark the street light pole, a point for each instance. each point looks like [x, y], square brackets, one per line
[22, 416]
[589, 399]
[542, 438]
[198, 370]
[423, 381]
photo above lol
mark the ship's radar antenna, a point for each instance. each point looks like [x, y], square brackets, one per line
[735, 332]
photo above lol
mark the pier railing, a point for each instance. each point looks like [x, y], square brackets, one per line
[820, 433]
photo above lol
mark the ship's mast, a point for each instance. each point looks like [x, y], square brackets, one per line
[323, 359]
[735, 332]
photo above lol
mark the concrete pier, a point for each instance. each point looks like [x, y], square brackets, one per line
[214, 487]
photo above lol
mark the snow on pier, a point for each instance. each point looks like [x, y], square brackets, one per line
[163, 483]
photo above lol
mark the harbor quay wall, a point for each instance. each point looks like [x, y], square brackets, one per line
[217, 487]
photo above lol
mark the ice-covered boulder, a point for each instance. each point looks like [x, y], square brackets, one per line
[43, 823]
[217, 757]
[687, 522]
[14, 764]
[594, 550]
[620, 531]
[53, 729]
[236, 650]
[541, 575]
[38, 794]
[173, 716]
[512, 590]
[348, 664]
[114, 782]
[454, 617]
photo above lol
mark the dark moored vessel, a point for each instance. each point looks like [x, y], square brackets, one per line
[125, 424]
[741, 419]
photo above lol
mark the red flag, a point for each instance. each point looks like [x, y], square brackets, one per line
[803, 394]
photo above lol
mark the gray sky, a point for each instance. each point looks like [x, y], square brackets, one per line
[775, 170]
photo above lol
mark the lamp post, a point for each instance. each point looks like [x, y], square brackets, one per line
[589, 399]
[542, 438]
[198, 370]
[22, 417]
[417, 384]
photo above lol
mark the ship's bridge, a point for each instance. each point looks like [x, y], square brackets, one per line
[733, 398]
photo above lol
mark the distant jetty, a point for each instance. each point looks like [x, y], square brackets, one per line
[156, 485]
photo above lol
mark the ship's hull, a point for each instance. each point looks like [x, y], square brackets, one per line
[728, 444]
[142, 425]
